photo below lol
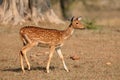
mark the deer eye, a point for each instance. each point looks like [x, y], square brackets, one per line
[76, 23]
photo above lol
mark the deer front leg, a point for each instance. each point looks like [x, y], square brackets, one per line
[62, 58]
[52, 49]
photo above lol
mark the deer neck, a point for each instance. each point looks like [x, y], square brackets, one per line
[68, 32]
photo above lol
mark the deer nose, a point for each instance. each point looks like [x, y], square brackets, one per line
[83, 27]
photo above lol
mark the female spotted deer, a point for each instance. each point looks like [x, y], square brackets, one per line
[31, 36]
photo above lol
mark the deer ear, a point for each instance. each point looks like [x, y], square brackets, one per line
[79, 18]
[72, 19]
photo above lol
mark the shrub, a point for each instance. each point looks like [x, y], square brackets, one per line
[91, 24]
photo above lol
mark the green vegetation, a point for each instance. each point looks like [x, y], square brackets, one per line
[91, 24]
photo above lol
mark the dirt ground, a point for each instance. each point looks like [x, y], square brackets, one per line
[99, 52]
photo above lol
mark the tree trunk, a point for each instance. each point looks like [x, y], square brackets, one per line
[19, 11]
[65, 5]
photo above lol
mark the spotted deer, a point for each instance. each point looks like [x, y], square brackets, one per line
[32, 36]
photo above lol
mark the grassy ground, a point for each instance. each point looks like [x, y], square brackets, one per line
[99, 52]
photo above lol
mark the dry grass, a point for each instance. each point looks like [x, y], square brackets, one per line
[99, 52]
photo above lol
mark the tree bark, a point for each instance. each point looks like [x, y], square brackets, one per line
[20, 11]
[65, 5]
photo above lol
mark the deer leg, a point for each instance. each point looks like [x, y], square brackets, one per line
[52, 49]
[21, 61]
[62, 58]
[23, 52]
[26, 40]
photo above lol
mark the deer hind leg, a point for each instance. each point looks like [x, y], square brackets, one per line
[23, 55]
[24, 42]
[62, 58]
[25, 39]
[52, 49]
[21, 61]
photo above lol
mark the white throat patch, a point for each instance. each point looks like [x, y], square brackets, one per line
[72, 31]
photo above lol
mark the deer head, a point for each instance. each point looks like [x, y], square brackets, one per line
[76, 23]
